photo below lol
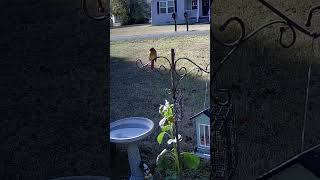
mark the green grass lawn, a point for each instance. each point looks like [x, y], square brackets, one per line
[138, 93]
[269, 85]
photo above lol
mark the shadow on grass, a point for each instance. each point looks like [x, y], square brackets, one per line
[269, 87]
[135, 92]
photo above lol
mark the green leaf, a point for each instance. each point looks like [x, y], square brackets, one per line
[161, 109]
[160, 137]
[169, 112]
[170, 119]
[166, 110]
[166, 128]
[191, 160]
[165, 114]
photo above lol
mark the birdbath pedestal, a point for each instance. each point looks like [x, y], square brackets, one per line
[129, 131]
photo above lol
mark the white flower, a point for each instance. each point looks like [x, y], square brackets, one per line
[166, 106]
[162, 122]
[170, 141]
[166, 103]
[145, 166]
[160, 109]
[162, 153]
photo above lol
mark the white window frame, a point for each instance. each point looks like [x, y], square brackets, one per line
[204, 135]
[194, 1]
[165, 7]
[173, 6]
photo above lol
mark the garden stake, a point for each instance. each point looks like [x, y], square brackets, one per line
[173, 90]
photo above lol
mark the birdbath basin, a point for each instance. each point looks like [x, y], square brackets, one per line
[129, 131]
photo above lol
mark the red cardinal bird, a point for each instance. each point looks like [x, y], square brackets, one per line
[152, 57]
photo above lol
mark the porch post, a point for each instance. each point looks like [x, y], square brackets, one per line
[198, 10]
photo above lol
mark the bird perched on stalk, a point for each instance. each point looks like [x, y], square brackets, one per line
[152, 57]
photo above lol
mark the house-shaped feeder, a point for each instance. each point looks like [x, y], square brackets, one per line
[202, 133]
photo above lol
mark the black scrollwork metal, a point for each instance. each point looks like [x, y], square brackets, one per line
[311, 11]
[180, 72]
[243, 37]
[101, 9]
[287, 24]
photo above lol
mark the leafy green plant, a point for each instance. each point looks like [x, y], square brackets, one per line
[168, 160]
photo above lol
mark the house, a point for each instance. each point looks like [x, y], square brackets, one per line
[202, 133]
[161, 11]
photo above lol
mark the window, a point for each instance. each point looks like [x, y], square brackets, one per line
[170, 6]
[194, 4]
[204, 135]
[166, 7]
[162, 7]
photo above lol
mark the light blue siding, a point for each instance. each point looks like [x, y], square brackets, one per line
[159, 19]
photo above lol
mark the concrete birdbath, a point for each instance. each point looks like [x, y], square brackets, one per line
[129, 131]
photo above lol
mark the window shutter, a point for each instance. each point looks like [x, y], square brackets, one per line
[158, 7]
[175, 5]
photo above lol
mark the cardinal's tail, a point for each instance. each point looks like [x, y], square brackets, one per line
[152, 64]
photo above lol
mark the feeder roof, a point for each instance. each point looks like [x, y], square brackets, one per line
[206, 112]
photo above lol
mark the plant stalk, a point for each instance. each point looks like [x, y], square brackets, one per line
[173, 91]
[175, 153]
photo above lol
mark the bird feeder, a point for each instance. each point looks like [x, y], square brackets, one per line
[222, 142]
[202, 133]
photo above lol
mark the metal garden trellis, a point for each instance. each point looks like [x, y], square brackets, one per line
[176, 75]
[220, 112]
[286, 21]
